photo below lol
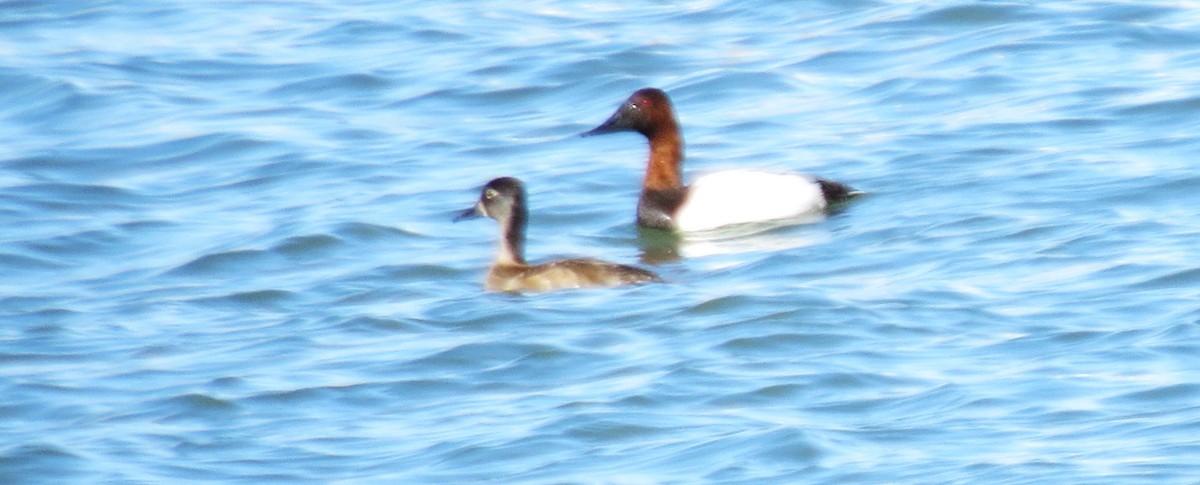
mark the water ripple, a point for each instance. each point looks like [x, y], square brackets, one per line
[229, 254]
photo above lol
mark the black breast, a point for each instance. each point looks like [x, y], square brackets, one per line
[656, 207]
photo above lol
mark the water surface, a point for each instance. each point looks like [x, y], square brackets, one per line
[229, 254]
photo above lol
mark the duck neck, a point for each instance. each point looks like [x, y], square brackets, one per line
[512, 239]
[666, 159]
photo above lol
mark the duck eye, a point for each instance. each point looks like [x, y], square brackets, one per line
[489, 194]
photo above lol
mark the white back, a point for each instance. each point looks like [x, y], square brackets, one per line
[741, 196]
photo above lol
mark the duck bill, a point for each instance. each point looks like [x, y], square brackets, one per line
[475, 212]
[615, 123]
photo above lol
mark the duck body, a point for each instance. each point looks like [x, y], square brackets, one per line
[735, 197]
[717, 199]
[562, 274]
[503, 199]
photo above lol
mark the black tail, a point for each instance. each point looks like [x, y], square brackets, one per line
[837, 192]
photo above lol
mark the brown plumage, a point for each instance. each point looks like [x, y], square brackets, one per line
[503, 199]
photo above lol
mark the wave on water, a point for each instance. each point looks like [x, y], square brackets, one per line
[228, 251]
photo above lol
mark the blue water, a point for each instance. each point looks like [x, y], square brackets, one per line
[228, 253]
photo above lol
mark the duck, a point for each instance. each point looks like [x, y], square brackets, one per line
[503, 199]
[716, 199]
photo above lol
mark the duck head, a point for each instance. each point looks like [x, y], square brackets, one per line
[647, 111]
